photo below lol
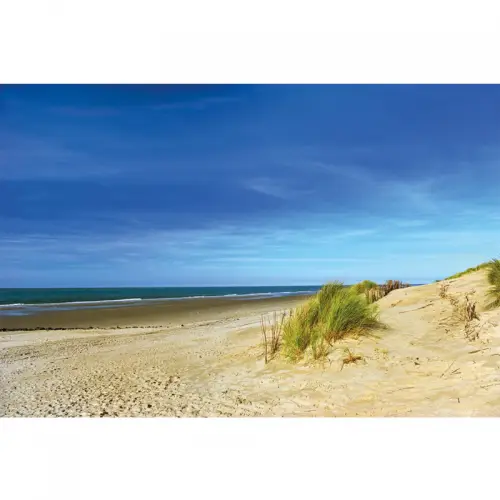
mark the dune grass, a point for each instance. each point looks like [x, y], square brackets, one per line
[272, 330]
[493, 277]
[380, 291]
[484, 265]
[363, 286]
[332, 314]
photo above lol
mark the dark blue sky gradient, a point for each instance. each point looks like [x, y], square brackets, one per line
[244, 184]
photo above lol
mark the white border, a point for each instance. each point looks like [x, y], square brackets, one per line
[248, 458]
[195, 41]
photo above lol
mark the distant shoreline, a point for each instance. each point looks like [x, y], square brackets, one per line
[131, 301]
[32, 298]
[139, 314]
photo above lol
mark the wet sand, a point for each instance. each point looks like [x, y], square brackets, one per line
[145, 313]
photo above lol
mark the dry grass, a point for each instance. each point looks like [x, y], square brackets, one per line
[469, 309]
[464, 309]
[443, 289]
[391, 285]
[350, 358]
[376, 293]
[493, 275]
[272, 331]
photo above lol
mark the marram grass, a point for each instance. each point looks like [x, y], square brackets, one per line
[493, 277]
[363, 286]
[332, 314]
[484, 265]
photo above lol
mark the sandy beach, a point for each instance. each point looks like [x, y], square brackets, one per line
[422, 364]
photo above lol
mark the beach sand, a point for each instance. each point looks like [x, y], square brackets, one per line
[421, 365]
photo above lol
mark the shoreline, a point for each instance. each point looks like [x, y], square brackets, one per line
[130, 301]
[155, 313]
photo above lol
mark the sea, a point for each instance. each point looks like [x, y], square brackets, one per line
[25, 301]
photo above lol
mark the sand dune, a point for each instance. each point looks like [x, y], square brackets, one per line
[421, 365]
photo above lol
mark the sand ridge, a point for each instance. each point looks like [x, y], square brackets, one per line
[421, 365]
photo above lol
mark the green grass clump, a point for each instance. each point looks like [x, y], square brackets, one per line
[484, 265]
[364, 285]
[332, 314]
[298, 330]
[494, 280]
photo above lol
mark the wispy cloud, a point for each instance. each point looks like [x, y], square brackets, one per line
[355, 233]
[408, 222]
[297, 179]
[349, 171]
[286, 259]
[196, 104]
[274, 188]
[422, 194]
[23, 158]
[92, 111]
[86, 111]
[224, 243]
[315, 251]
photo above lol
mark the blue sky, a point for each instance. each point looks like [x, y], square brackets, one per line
[246, 185]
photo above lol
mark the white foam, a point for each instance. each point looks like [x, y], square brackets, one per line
[138, 299]
[70, 303]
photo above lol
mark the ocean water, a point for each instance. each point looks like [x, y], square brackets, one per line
[21, 301]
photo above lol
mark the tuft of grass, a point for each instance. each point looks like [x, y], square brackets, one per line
[332, 314]
[297, 333]
[465, 311]
[363, 286]
[374, 294]
[469, 309]
[342, 312]
[484, 265]
[493, 277]
[378, 292]
[319, 346]
[272, 331]
[443, 289]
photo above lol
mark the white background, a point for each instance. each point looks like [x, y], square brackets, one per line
[208, 41]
